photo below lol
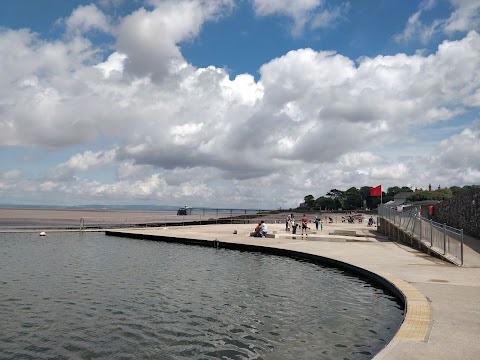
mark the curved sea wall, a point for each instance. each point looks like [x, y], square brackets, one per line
[462, 211]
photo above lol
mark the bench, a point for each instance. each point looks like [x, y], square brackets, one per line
[344, 232]
[270, 236]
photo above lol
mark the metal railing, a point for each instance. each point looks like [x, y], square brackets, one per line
[169, 218]
[196, 217]
[441, 237]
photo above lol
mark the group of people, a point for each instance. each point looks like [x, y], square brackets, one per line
[290, 224]
[318, 222]
[260, 230]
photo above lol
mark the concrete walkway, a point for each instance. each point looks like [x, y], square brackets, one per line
[443, 300]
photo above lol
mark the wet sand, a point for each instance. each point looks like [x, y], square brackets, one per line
[33, 218]
[58, 218]
[26, 218]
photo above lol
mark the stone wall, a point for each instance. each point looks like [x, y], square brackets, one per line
[462, 211]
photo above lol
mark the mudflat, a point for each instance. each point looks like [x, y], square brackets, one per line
[32, 217]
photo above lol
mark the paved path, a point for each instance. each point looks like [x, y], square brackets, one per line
[443, 300]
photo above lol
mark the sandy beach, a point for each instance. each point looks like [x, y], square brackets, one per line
[30, 218]
[41, 218]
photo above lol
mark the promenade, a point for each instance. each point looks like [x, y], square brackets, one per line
[443, 300]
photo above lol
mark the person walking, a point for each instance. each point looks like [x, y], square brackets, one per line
[317, 220]
[304, 224]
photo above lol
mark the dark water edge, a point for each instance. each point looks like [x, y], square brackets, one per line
[87, 296]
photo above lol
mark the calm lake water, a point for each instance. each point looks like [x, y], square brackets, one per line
[88, 296]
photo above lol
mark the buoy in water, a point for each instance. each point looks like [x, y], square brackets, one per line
[43, 233]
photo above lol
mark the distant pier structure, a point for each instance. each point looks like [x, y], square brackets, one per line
[184, 210]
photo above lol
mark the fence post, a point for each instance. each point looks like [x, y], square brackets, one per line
[461, 246]
[421, 235]
[444, 238]
[431, 232]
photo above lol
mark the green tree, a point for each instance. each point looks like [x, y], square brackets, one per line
[365, 194]
[439, 194]
[456, 190]
[336, 196]
[309, 201]
[324, 203]
[352, 199]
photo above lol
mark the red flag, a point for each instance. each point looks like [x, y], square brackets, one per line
[376, 191]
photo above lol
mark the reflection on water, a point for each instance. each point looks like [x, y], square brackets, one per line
[87, 296]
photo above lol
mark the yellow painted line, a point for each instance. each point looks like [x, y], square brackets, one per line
[416, 325]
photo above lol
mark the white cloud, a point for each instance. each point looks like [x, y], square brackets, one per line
[89, 159]
[411, 28]
[195, 135]
[87, 18]
[460, 152]
[114, 64]
[150, 39]
[464, 18]
[9, 179]
[302, 12]
[329, 18]
[81, 162]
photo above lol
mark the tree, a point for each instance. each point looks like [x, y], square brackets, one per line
[365, 194]
[309, 201]
[334, 193]
[439, 194]
[352, 199]
[456, 190]
[336, 196]
[324, 203]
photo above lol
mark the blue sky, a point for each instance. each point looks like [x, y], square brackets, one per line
[247, 103]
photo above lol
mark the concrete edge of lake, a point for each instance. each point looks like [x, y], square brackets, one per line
[442, 318]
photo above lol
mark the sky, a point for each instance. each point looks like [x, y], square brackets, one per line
[235, 103]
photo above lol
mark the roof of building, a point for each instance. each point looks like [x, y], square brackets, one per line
[402, 195]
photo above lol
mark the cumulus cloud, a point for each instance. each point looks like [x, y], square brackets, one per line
[459, 152]
[89, 159]
[81, 162]
[197, 135]
[87, 18]
[150, 38]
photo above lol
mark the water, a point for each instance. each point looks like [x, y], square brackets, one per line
[88, 296]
